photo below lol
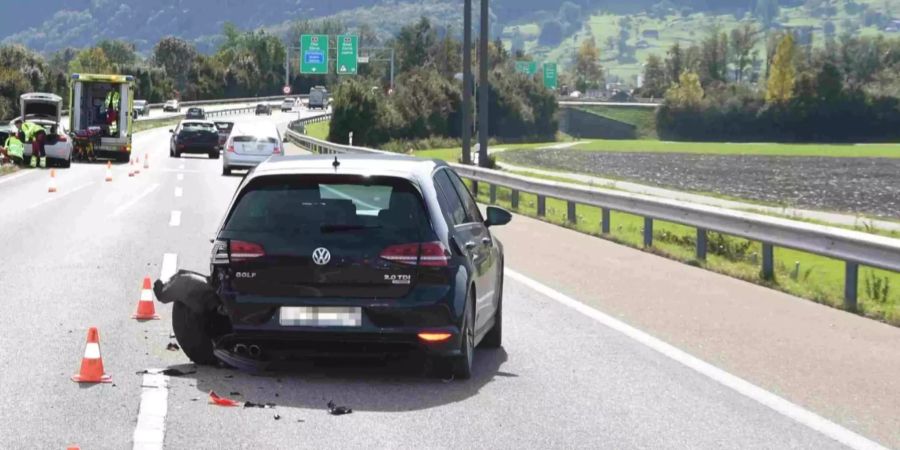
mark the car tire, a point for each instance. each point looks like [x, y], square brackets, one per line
[214, 154]
[460, 366]
[177, 154]
[192, 335]
[226, 170]
[494, 338]
[66, 163]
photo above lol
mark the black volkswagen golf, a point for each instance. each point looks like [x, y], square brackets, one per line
[350, 254]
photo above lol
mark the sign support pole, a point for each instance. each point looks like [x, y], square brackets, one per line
[483, 88]
[467, 84]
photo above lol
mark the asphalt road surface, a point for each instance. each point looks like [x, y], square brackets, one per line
[567, 376]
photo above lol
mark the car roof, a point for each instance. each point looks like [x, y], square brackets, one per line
[197, 121]
[402, 166]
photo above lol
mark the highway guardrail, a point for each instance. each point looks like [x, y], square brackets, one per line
[854, 248]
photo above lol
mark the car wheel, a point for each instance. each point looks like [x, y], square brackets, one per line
[460, 366]
[177, 154]
[494, 338]
[226, 170]
[214, 154]
[192, 335]
[66, 163]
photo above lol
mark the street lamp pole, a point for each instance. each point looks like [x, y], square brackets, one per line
[467, 83]
[483, 87]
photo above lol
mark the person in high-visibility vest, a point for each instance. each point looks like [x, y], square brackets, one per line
[112, 119]
[34, 133]
[13, 150]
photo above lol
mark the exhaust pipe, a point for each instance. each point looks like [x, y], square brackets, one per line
[240, 349]
[255, 351]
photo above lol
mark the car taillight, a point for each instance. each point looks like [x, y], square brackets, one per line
[63, 138]
[243, 251]
[231, 148]
[277, 150]
[426, 254]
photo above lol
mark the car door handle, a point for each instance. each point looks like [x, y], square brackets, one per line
[470, 245]
[486, 241]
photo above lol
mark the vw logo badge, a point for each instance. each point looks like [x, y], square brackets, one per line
[321, 256]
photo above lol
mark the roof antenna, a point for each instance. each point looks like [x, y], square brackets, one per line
[336, 163]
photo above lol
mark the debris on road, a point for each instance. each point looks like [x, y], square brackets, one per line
[259, 405]
[173, 347]
[277, 417]
[169, 372]
[222, 401]
[335, 410]
[235, 393]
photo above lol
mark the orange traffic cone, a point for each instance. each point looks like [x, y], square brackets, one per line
[131, 168]
[109, 171]
[137, 165]
[92, 364]
[145, 308]
[146, 160]
[51, 187]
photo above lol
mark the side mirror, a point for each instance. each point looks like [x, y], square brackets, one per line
[497, 216]
[171, 131]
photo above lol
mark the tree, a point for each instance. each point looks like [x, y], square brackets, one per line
[743, 41]
[687, 93]
[655, 83]
[90, 60]
[118, 52]
[783, 73]
[674, 63]
[767, 11]
[551, 33]
[714, 57]
[588, 72]
[413, 44]
[177, 57]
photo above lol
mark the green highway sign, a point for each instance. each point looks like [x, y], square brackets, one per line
[314, 54]
[526, 67]
[347, 54]
[550, 76]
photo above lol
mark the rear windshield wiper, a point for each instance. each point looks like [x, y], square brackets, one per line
[333, 228]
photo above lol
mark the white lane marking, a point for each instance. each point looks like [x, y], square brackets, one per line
[180, 176]
[181, 167]
[181, 170]
[134, 200]
[15, 176]
[150, 432]
[58, 195]
[741, 386]
[169, 266]
[175, 219]
[179, 192]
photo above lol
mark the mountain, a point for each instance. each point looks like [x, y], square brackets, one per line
[81, 23]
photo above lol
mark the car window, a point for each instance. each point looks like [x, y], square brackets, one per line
[200, 126]
[450, 199]
[472, 212]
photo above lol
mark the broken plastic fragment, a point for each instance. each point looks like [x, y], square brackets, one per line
[221, 401]
[338, 410]
[277, 417]
[173, 347]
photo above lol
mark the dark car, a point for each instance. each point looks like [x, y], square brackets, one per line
[318, 98]
[371, 254]
[140, 108]
[195, 113]
[224, 128]
[194, 136]
[263, 108]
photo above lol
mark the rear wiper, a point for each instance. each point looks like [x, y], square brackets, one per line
[331, 228]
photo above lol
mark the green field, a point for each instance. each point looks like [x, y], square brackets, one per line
[318, 130]
[641, 117]
[802, 274]
[724, 148]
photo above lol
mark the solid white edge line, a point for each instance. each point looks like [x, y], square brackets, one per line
[15, 176]
[180, 176]
[169, 266]
[134, 200]
[150, 431]
[175, 219]
[743, 387]
[57, 195]
[179, 192]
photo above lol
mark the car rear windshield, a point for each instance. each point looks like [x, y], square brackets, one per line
[256, 139]
[224, 126]
[288, 205]
[199, 126]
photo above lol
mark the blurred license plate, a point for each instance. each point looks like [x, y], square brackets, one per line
[261, 147]
[320, 316]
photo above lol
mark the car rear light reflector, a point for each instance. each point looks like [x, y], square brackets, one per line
[242, 251]
[435, 337]
[427, 254]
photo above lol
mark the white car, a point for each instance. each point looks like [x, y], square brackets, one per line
[288, 105]
[250, 144]
[46, 110]
[172, 106]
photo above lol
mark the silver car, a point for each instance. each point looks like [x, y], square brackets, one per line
[46, 110]
[250, 144]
